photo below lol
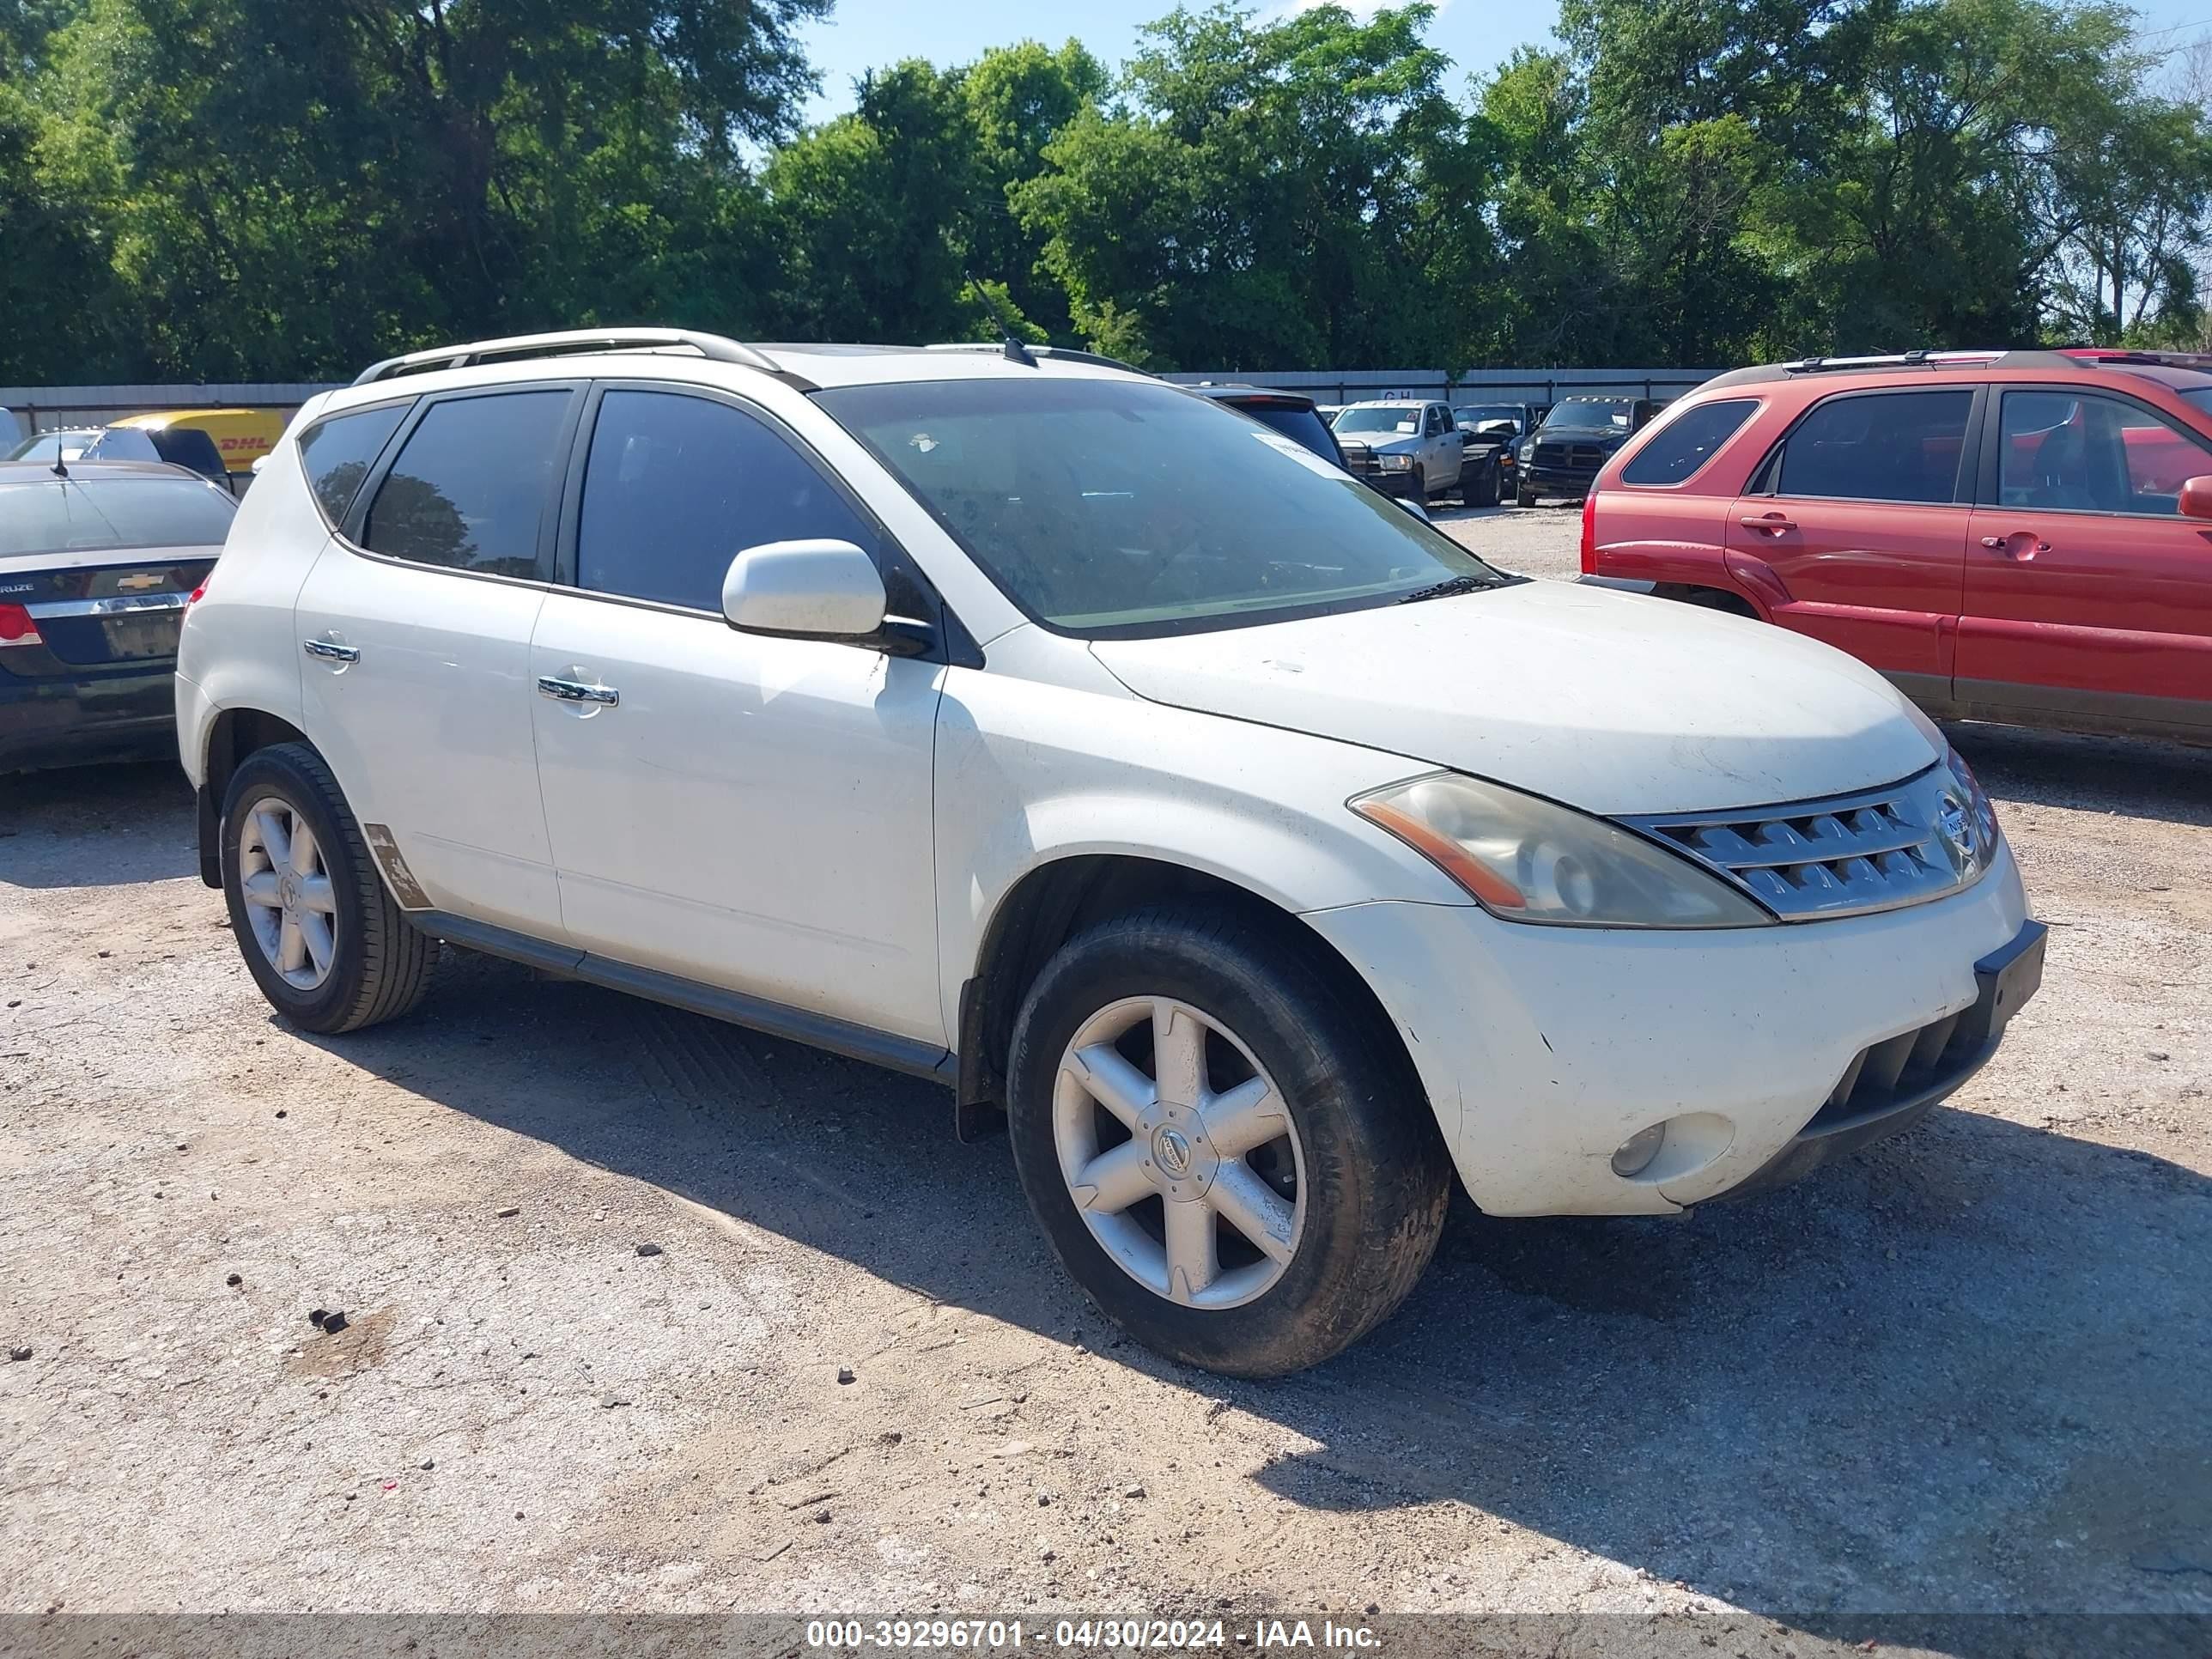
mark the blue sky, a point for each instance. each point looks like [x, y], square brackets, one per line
[1478, 34]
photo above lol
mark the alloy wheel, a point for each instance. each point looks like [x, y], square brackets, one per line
[289, 901]
[1179, 1152]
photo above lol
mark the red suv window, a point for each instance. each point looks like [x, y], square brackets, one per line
[1678, 449]
[1880, 446]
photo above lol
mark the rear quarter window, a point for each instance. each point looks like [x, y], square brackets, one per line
[1677, 450]
[337, 453]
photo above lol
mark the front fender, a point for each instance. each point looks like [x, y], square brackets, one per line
[1028, 774]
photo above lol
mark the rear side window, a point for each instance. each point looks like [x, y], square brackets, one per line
[339, 452]
[1880, 446]
[85, 513]
[677, 487]
[1678, 449]
[1296, 422]
[468, 490]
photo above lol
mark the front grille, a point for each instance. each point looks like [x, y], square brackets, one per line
[1925, 1063]
[1877, 850]
[1569, 458]
[1362, 462]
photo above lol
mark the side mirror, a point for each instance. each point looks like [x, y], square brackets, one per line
[2197, 498]
[1412, 506]
[819, 589]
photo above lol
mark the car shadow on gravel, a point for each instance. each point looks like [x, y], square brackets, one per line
[2170, 782]
[1963, 1371]
[141, 813]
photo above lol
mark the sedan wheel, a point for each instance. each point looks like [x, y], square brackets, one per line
[1179, 1152]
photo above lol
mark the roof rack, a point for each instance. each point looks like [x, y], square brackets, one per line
[1065, 354]
[1984, 357]
[569, 342]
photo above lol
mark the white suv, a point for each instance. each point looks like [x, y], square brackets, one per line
[1021, 721]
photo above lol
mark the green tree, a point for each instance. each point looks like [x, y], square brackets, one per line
[1281, 194]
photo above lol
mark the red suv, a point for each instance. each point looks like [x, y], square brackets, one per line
[2017, 536]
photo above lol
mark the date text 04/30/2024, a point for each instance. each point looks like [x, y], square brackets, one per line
[1012, 1635]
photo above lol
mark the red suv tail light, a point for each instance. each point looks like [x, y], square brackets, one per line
[17, 627]
[1589, 534]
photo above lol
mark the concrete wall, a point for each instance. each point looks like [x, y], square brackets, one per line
[1546, 386]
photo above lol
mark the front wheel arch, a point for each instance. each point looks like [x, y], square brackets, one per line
[1059, 899]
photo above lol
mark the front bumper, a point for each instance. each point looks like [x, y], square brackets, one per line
[1556, 480]
[1543, 1049]
[1398, 486]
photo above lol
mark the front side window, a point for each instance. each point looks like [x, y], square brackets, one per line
[1880, 446]
[337, 454]
[470, 487]
[2091, 454]
[1116, 508]
[1677, 450]
[83, 513]
[675, 487]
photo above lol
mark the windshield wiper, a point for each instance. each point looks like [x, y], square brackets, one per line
[1445, 590]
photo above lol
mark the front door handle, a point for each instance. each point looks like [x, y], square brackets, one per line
[560, 690]
[330, 650]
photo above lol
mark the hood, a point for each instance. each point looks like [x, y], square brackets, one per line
[1608, 702]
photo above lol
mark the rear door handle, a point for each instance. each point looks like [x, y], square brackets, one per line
[1752, 523]
[330, 650]
[1999, 543]
[563, 691]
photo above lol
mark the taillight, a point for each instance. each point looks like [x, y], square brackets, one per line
[17, 627]
[1589, 534]
[199, 593]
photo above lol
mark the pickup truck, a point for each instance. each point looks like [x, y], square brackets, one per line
[1416, 450]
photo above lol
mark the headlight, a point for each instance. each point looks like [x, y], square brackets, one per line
[1975, 839]
[1395, 463]
[1528, 449]
[1527, 860]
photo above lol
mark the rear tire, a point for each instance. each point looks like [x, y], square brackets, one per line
[368, 963]
[1357, 1178]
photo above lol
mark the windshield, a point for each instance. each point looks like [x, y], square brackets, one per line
[2198, 396]
[1599, 414]
[68, 446]
[1482, 414]
[1111, 508]
[52, 516]
[1398, 418]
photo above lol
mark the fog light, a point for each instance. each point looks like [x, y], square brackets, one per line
[1635, 1154]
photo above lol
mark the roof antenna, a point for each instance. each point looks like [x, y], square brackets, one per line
[1013, 350]
[60, 469]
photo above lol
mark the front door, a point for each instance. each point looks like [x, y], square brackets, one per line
[1862, 520]
[2087, 594]
[414, 630]
[749, 812]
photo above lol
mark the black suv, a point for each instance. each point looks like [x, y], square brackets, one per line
[1578, 437]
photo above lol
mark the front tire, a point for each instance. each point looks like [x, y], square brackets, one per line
[1232, 1158]
[322, 937]
[1525, 496]
[1487, 494]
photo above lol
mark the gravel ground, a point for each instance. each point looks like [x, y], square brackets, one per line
[1964, 1372]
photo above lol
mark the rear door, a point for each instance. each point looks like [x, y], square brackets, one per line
[2087, 594]
[414, 627]
[1860, 516]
